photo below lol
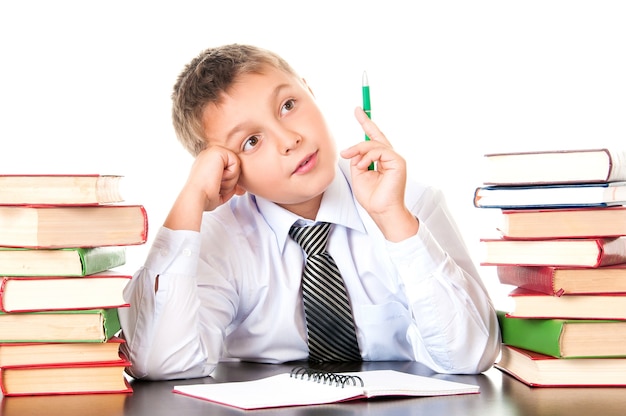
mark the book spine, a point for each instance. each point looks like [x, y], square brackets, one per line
[3, 284]
[3, 383]
[145, 224]
[617, 165]
[101, 258]
[611, 251]
[110, 323]
[539, 335]
[537, 278]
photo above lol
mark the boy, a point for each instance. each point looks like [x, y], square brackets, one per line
[224, 278]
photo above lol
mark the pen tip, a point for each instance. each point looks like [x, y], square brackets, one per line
[365, 80]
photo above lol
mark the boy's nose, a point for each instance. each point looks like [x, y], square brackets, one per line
[288, 141]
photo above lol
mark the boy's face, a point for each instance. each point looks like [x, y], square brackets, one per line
[272, 122]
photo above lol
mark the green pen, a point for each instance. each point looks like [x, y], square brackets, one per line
[367, 105]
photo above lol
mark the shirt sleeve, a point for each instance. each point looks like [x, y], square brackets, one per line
[455, 326]
[162, 325]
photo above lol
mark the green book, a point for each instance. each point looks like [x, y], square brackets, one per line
[91, 325]
[71, 262]
[565, 338]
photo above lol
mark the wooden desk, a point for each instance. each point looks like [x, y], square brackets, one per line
[500, 395]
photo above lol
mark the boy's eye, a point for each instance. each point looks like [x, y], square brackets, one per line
[288, 106]
[250, 142]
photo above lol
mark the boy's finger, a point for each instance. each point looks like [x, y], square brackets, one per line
[369, 127]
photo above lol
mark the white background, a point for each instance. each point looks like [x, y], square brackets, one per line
[85, 86]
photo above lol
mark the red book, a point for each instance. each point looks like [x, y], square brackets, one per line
[44, 226]
[79, 378]
[67, 405]
[563, 223]
[557, 281]
[531, 304]
[572, 252]
[48, 353]
[540, 370]
[48, 293]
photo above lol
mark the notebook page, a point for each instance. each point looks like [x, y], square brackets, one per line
[392, 383]
[286, 390]
[275, 391]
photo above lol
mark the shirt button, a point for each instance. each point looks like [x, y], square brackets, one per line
[186, 252]
[163, 252]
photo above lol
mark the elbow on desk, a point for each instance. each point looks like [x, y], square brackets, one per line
[472, 362]
[155, 371]
[486, 353]
[147, 364]
[492, 351]
[483, 350]
[473, 354]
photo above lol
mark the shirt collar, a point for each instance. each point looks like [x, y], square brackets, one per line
[337, 207]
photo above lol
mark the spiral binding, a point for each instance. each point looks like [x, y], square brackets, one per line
[325, 377]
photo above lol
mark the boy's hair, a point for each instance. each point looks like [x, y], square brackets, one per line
[204, 80]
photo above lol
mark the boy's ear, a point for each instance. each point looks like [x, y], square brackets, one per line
[308, 87]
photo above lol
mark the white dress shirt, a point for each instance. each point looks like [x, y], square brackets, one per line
[232, 291]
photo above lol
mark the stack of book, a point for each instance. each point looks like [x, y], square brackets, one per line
[561, 243]
[61, 239]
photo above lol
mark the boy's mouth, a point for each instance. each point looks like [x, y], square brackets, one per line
[306, 164]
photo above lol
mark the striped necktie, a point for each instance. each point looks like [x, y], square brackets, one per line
[331, 333]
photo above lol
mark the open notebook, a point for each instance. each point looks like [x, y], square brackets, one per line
[307, 387]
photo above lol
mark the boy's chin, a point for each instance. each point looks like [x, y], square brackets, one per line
[297, 194]
[299, 199]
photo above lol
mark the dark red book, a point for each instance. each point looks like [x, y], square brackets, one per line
[557, 281]
[78, 378]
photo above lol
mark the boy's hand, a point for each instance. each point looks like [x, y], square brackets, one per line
[213, 180]
[380, 191]
[215, 174]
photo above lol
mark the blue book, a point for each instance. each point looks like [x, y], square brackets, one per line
[551, 196]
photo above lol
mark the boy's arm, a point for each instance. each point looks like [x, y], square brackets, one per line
[212, 181]
[455, 327]
[381, 191]
[160, 329]
[162, 325]
[179, 331]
